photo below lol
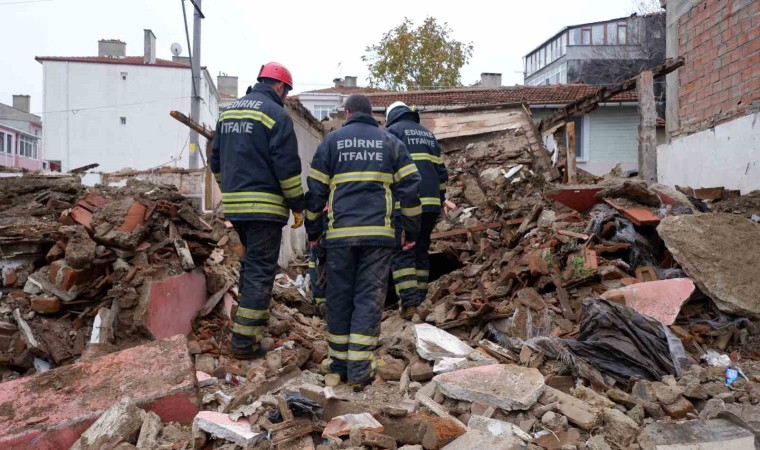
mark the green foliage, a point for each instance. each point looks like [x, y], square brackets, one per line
[425, 57]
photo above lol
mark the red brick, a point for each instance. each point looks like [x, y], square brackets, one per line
[173, 303]
[50, 410]
[10, 279]
[46, 305]
[66, 277]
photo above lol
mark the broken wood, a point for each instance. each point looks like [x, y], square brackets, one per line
[476, 228]
[572, 234]
[647, 128]
[423, 396]
[214, 300]
[27, 335]
[530, 218]
[572, 174]
[183, 251]
[497, 351]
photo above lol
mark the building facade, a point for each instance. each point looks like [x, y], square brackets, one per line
[21, 136]
[322, 103]
[713, 111]
[113, 109]
[598, 53]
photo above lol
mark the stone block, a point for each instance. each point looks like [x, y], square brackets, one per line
[506, 386]
[51, 410]
[221, 426]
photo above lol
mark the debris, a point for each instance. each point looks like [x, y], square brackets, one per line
[342, 425]
[46, 305]
[661, 299]
[619, 428]
[697, 434]
[219, 425]
[149, 431]
[578, 412]
[434, 343]
[119, 423]
[440, 432]
[508, 387]
[719, 252]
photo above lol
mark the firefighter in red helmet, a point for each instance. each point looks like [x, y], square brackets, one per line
[255, 161]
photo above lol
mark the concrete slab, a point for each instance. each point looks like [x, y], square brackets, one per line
[51, 410]
[173, 303]
[660, 299]
[717, 434]
[506, 386]
[221, 426]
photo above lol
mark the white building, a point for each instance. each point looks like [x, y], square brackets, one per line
[321, 103]
[113, 109]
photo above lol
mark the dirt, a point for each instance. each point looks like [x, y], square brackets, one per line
[745, 206]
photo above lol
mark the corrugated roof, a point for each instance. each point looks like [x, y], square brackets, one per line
[129, 60]
[534, 95]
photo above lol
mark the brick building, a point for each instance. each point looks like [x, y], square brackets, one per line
[714, 99]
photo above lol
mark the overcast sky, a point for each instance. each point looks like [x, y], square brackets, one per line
[310, 37]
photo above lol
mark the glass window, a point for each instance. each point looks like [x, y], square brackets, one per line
[123, 120]
[575, 36]
[9, 143]
[323, 111]
[586, 36]
[597, 34]
[562, 43]
[611, 34]
[622, 34]
[2, 142]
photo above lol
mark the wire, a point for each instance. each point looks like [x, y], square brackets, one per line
[189, 48]
[76, 110]
[24, 1]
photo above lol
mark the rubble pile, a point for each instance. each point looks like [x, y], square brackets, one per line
[82, 267]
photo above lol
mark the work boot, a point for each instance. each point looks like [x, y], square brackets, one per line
[408, 312]
[359, 386]
[324, 369]
[251, 352]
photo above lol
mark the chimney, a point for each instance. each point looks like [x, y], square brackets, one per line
[22, 102]
[150, 48]
[350, 82]
[227, 85]
[112, 48]
[490, 80]
[339, 83]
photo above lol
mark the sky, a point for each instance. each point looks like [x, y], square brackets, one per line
[317, 41]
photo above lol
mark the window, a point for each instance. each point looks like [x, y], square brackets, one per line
[597, 34]
[622, 34]
[611, 34]
[323, 111]
[586, 36]
[575, 37]
[124, 76]
[2, 142]
[9, 144]
[123, 120]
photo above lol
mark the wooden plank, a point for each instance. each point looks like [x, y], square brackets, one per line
[564, 300]
[647, 128]
[572, 173]
[497, 351]
[573, 234]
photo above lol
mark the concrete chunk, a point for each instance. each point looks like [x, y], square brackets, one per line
[342, 425]
[478, 439]
[506, 386]
[149, 431]
[119, 423]
[220, 426]
[51, 410]
[660, 299]
[434, 343]
[717, 434]
[577, 411]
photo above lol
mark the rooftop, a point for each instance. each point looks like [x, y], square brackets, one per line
[344, 90]
[535, 95]
[8, 112]
[129, 60]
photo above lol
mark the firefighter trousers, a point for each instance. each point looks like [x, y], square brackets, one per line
[258, 267]
[411, 268]
[358, 282]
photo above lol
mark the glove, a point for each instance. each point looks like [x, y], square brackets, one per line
[297, 220]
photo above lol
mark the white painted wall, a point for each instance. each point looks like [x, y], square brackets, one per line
[727, 155]
[84, 103]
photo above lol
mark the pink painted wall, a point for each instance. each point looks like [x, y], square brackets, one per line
[14, 160]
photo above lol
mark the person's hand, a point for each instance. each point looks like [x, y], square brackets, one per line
[297, 220]
[405, 245]
[449, 206]
[408, 246]
[314, 243]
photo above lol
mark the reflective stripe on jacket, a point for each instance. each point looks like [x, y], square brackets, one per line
[255, 159]
[404, 123]
[356, 170]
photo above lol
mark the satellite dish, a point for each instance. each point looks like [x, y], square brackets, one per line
[176, 49]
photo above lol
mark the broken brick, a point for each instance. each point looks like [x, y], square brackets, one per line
[46, 305]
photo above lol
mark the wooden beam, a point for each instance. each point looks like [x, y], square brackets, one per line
[572, 174]
[590, 102]
[193, 125]
[647, 128]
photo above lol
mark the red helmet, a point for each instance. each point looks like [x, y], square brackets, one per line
[276, 71]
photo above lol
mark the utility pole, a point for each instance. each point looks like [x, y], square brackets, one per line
[195, 105]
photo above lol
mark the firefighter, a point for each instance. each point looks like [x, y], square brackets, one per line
[317, 274]
[255, 160]
[356, 169]
[411, 268]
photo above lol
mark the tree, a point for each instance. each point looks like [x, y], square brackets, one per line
[425, 57]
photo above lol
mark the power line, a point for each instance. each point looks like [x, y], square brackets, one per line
[24, 1]
[76, 110]
[189, 48]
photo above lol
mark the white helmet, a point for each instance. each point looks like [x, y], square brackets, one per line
[392, 107]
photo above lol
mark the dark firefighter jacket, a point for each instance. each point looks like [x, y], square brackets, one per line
[255, 159]
[404, 123]
[357, 170]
